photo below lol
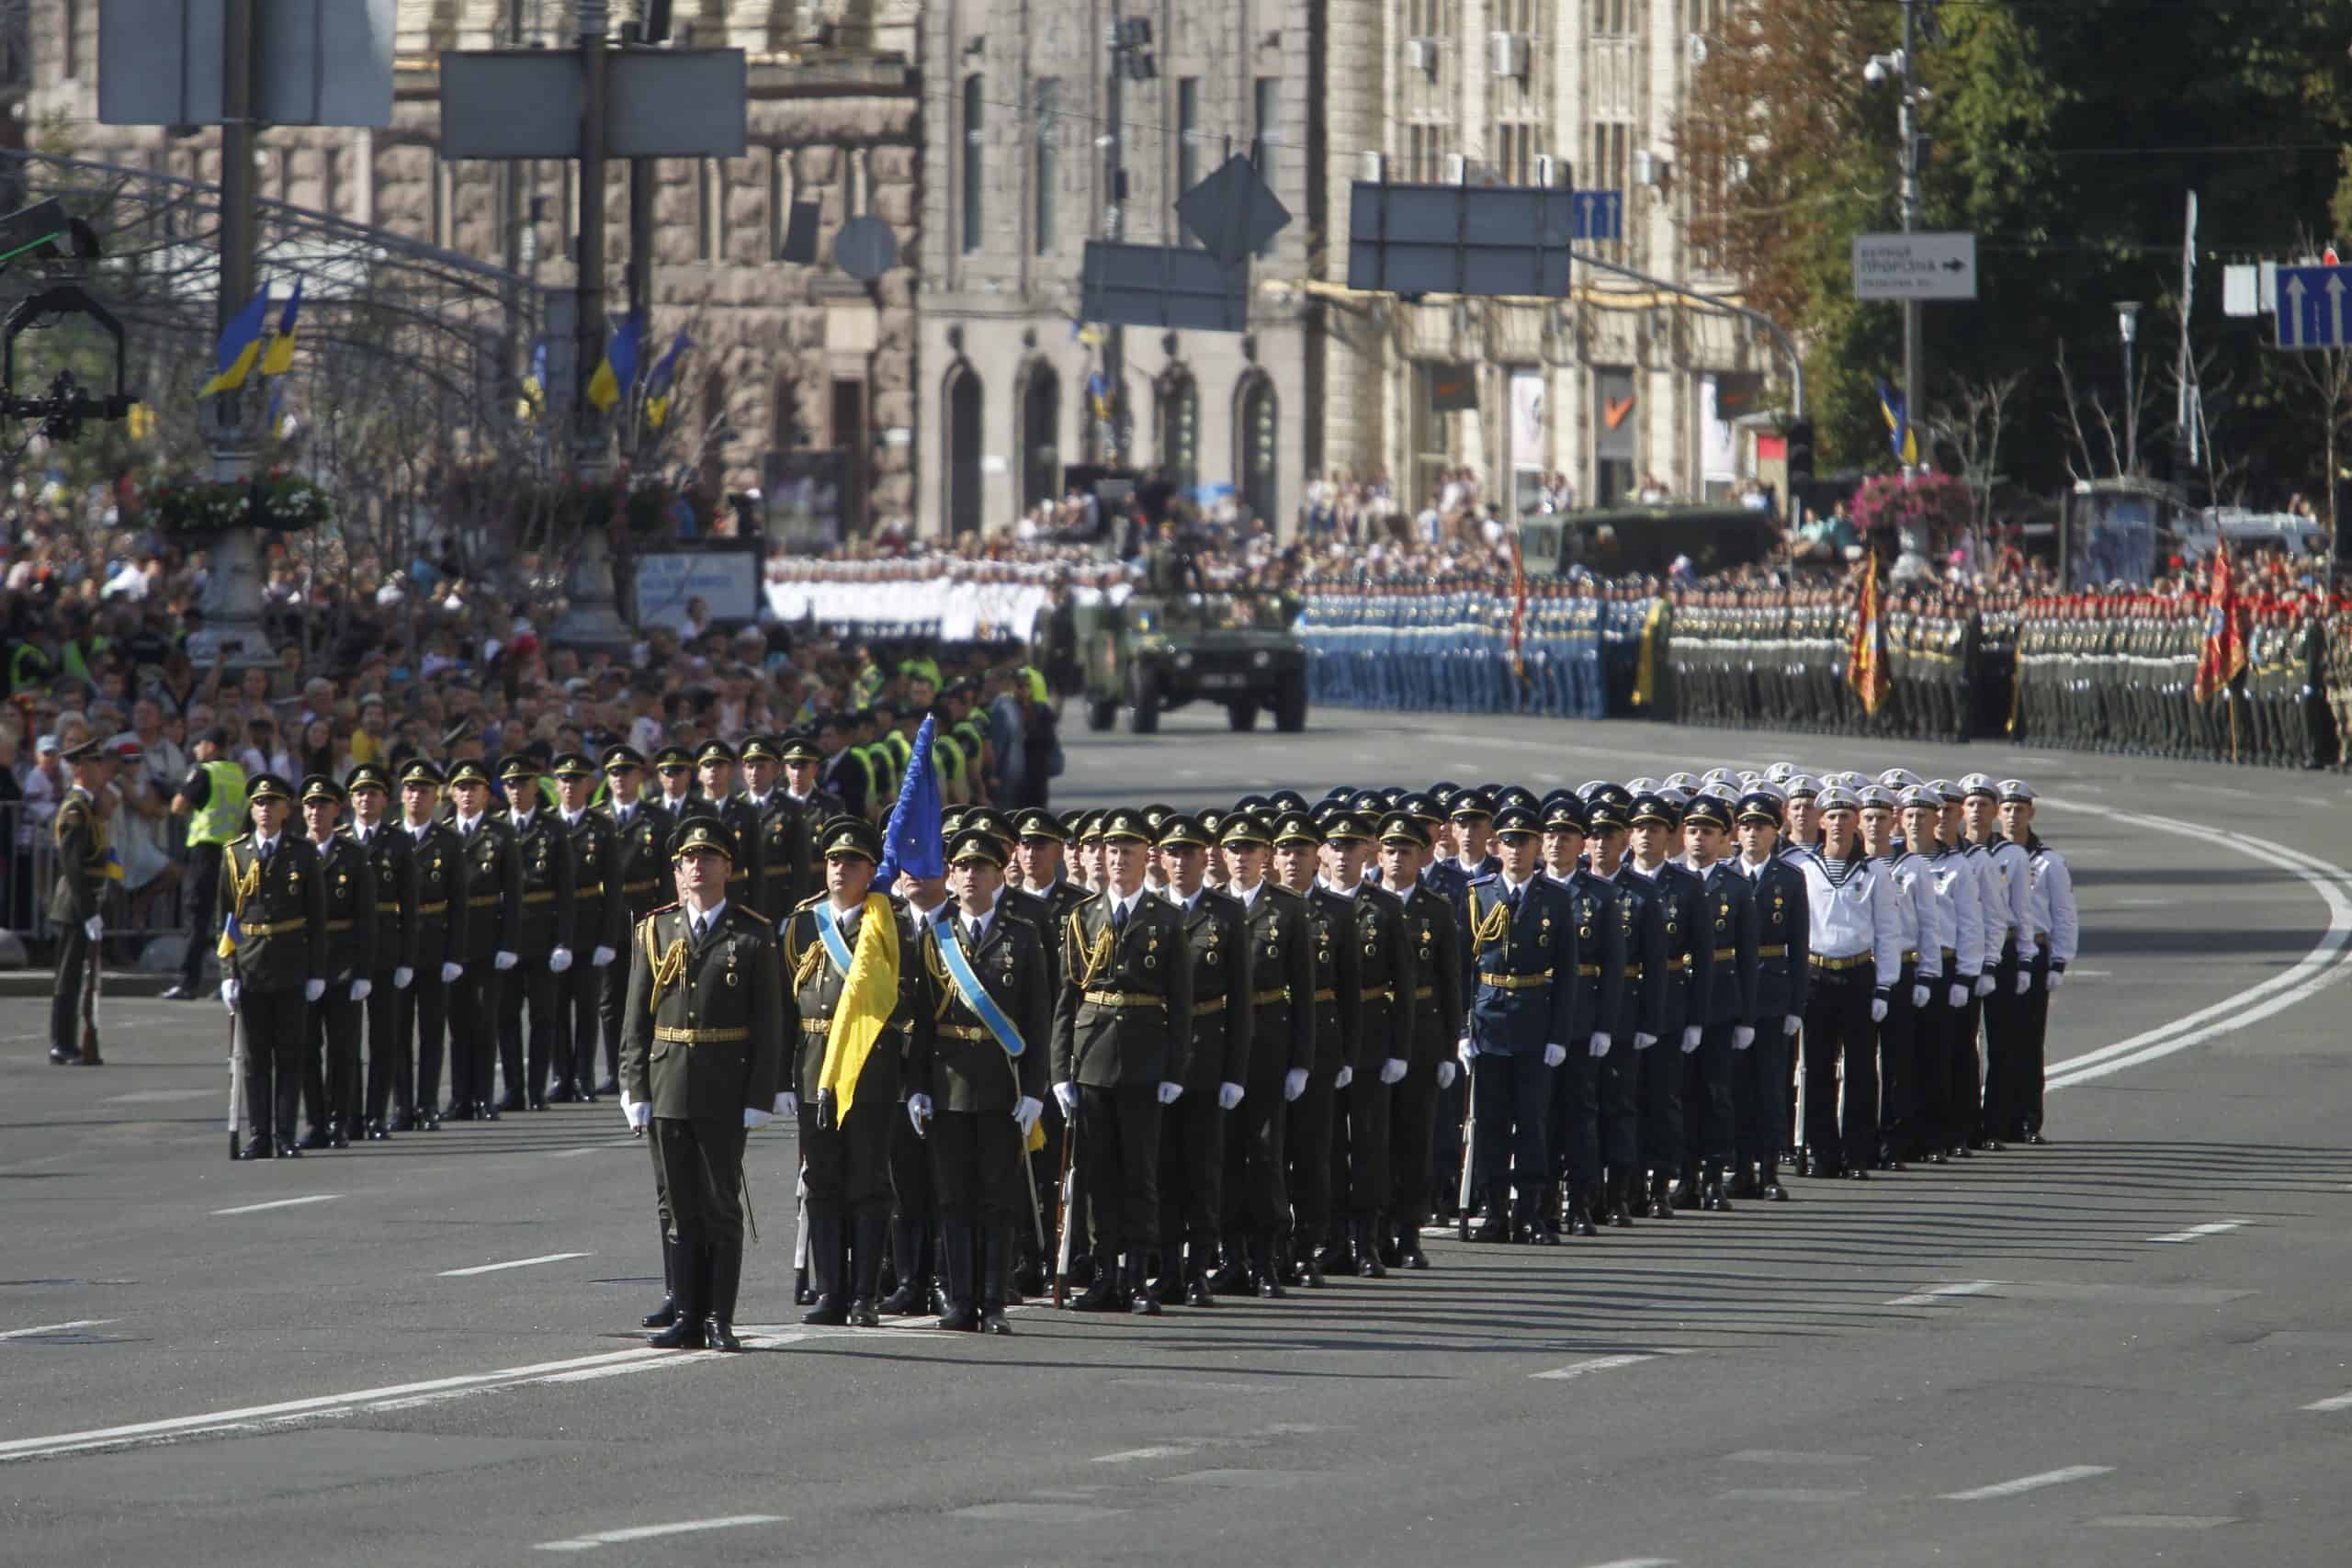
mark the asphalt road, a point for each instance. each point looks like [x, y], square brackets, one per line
[2115, 1350]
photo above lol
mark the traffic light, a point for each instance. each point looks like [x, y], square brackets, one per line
[1800, 451]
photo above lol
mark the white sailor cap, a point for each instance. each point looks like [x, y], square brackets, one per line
[1715, 775]
[1643, 785]
[1720, 789]
[1780, 772]
[1762, 786]
[1590, 787]
[1875, 795]
[1979, 783]
[1682, 781]
[1673, 791]
[1837, 797]
[1945, 787]
[1802, 784]
[1900, 778]
[2017, 790]
[1921, 794]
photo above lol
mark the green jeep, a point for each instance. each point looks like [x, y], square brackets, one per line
[1157, 651]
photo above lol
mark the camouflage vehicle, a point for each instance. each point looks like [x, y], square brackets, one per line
[1152, 651]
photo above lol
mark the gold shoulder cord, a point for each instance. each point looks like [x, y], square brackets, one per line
[246, 885]
[668, 967]
[1486, 927]
[1094, 958]
[805, 962]
[936, 961]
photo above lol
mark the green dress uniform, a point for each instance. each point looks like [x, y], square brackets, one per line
[600, 921]
[542, 944]
[1122, 1035]
[331, 1049]
[975, 1086]
[1192, 1132]
[703, 1045]
[80, 840]
[392, 967]
[273, 892]
[640, 845]
[1282, 1041]
[1436, 937]
[443, 924]
[1389, 980]
[490, 880]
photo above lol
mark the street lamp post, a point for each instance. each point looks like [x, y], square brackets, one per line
[2127, 322]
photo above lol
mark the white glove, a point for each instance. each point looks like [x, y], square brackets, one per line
[503, 960]
[93, 927]
[2025, 980]
[1792, 1024]
[1742, 1036]
[1919, 996]
[402, 977]
[1393, 1070]
[1228, 1095]
[1985, 985]
[918, 1110]
[1957, 996]
[559, 961]
[1643, 1041]
[1878, 1010]
[1465, 1048]
[638, 1113]
[1691, 1038]
[789, 1105]
[229, 991]
[2056, 976]
[1068, 1094]
[1172, 1092]
[1347, 1076]
[1555, 1055]
[449, 972]
[313, 990]
[362, 989]
[601, 956]
[754, 1118]
[1446, 1073]
[1294, 1083]
[1025, 1112]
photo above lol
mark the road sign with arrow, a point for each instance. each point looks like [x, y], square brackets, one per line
[1915, 267]
[2310, 307]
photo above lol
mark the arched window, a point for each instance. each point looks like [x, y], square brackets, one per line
[1041, 425]
[963, 450]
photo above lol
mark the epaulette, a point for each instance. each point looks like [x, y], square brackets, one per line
[808, 903]
[242, 839]
[663, 910]
[754, 913]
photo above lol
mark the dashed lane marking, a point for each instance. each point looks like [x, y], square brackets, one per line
[280, 1203]
[1940, 1294]
[653, 1532]
[2029, 1483]
[2218, 1227]
[517, 1263]
[44, 1330]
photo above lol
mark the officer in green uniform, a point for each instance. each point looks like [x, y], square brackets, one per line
[701, 1062]
[716, 765]
[987, 1084]
[642, 830]
[80, 837]
[1122, 1032]
[673, 768]
[391, 964]
[1191, 1141]
[274, 948]
[783, 875]
[212, 798]
[599, 927]
[331, 1045]
[541, 942]
[441, 931]
[490, 880]
[802, 761]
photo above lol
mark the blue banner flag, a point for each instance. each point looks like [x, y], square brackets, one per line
[911, 841]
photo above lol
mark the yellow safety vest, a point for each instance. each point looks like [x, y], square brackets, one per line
[222, 816]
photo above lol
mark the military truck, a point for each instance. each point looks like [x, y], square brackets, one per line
[1150, 652]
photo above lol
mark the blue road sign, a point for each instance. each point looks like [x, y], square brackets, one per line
[1600, 215]
[2312, 312]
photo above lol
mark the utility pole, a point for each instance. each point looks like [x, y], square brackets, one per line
[1909, 126]
[589, 445]
[232, 447]
[1114, 182]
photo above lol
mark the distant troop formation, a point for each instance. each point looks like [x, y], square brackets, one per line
[1778, 658]
[1449, 646]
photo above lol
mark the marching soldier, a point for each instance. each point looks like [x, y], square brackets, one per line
[1276, 926]
[1688, 987]
[783, 876]
[1761, 1084]
[673, 770]
[1194, 1131]
[348, 877]
[986, 1090]
[490, 880]
[1856, 951]
[2005, 883]
[540, 942]
[79, 833]
[1388, 979]
[802, 761]
[391, 965]
[1573, 1135]
[1039, 851]
[861, 1012]
[701, 1063]
[274, 949]
[715, 765]
[641, 830]
[600, 923]
[1335, 997]
[1122, 1032]
[437, 859]
[2056, 929]
[1729, 916]
[1428, 1047]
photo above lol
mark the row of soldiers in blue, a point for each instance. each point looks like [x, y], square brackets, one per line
[1447, 646]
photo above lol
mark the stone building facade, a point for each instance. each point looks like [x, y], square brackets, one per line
[787, 356]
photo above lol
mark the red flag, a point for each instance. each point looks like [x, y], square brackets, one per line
[2224, 654]
[1866, 669]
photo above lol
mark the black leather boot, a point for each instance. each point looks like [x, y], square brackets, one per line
[1232, 1277]
[1579, 1214]
[832, 1307]
[1168, 1287]
[1142, 1300]
[1767, 1183]
[1265, 1264]
[962, 1313]
[1102, 1293]
[866, 1230]
[1713, 1196]
[692, 1283]
[1368, 1263]
[996, 1261]
[725, 1274]
[907, 1249]
[1661, 1207]
[666, 1313]
[1408, 1246]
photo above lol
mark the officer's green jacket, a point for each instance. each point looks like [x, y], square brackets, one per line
[280, 911]
[702, 1032]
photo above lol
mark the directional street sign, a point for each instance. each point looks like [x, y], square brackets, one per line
[2310, 307]
[1600, 215]
[1915, 267]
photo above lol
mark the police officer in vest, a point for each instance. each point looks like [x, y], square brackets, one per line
[1123, 1032]
[701, 1062]
[1523, 953]
[331, 1041]
[275, 956]
[212, 798]
[79, 835]
[986, 1088]
[390, 967]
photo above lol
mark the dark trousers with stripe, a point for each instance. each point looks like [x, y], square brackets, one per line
[1841, 1039]
[1513, 1096]
[1759, 1092]
[1412, 1144]
[1898, 1090]
[1710, 1128]
[473, 1004]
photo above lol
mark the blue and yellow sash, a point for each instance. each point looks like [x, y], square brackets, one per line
[970, 990]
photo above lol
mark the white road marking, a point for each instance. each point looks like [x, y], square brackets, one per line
[651, 1532]
[2334, 1402]
[47, 1328]
[1794, 1456]
[1136, 1456]
[1790, 1494]
[281, 1203]
[518, 1263]
[159, 1096]
[1579, 1369]
[1944, 1293]
[2165, 1521]
[2217, 1227]
[2029, 1483]
[1637, 1562]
